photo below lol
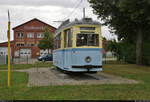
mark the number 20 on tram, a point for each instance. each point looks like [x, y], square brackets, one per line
[78, 46]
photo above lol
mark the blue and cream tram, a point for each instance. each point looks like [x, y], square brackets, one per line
[78, 46]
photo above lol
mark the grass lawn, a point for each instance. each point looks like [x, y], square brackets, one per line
[26, 66]
[19, 89]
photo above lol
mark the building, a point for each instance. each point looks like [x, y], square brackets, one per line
[27, 36]
[4, 48]
[26, 39]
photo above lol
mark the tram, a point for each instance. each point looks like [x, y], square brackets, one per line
[78, 46]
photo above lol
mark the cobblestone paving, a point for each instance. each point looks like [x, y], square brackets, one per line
[52, 76]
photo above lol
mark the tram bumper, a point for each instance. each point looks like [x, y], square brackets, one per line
[87, 66]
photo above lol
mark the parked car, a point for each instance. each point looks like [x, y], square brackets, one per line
[48, 57]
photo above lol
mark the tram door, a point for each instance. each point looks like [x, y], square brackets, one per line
[65, 50]
[67, 46]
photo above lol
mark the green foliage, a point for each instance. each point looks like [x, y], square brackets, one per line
[123, 50]
[47, 41]
[112, 45]
[129, 19]
[20, 91]
[123, 16]
[127, 51]
[27, 66]
[146, 51]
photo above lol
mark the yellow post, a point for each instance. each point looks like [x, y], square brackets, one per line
[8, 49]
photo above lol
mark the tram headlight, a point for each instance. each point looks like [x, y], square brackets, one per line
[88, 59]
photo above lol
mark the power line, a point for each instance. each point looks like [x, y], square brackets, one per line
[73, 10]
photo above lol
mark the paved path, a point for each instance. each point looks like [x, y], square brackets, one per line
[52, 76]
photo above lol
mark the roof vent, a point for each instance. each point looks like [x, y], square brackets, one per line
[87, 19]
[66, 22]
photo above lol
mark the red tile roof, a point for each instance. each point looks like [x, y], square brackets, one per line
[31, 21]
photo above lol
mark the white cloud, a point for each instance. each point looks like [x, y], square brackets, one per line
[62, 3]
[45, 10]
[107, 34]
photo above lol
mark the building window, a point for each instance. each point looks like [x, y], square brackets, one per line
[30, 35]
[20, 35]
[30, 45]
[19, 45]
[40, 35]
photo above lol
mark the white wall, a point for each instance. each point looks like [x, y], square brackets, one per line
[4, 51]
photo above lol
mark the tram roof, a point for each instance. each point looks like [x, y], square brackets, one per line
[67, 23]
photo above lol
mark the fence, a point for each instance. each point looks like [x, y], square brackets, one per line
[23, 60]
[113, 60]
[27, 60]
[4, 59]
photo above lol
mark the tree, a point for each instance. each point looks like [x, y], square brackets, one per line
[111, 45]
[123, 50]
[129, 19]
[114, 47]
[47, 41]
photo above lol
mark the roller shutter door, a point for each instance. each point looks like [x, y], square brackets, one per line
[25, 52]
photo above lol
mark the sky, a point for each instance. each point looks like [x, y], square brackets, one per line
[48, 11]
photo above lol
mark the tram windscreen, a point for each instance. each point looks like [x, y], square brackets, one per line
[87, 40]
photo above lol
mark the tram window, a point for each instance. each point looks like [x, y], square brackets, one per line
[57, 41]
[68, 38]
[87, 40]
[87, 28]
[65, 38]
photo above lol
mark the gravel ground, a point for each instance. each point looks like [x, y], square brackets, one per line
[52, 76]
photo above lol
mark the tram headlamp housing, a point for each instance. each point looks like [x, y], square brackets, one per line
[88, 59]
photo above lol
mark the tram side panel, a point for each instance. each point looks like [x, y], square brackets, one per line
[67, 59]
[62, 59]
[58, 58]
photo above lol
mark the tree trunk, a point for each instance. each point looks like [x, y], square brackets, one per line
[139, 47]
[51, 51]
[48, 50]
